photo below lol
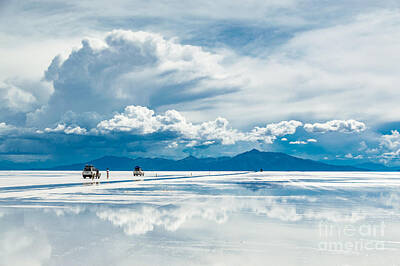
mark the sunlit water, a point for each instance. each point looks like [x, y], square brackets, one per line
[200, 218]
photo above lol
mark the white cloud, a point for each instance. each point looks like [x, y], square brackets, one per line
[126, 67]
[141, 120]
[297, 142]
[137, 118]
[309, 75]
[173, 145]
[343, 126]
[66, 129]
[324, 74]
[391, 141]
[349, 156]
[279, 129]
[390, 146]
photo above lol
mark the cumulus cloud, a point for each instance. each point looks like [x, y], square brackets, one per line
[390, 146]
[141, 120]
[278, 129]
[343, 126]
[127, 67]
[303, 141]
[66, 129]
[351, 156]
[298, 142]
[391, 141]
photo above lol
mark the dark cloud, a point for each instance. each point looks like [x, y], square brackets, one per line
[129, 68]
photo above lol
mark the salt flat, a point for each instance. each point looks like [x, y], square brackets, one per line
[200, 218]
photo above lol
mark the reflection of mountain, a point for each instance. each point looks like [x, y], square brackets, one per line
[251, 160]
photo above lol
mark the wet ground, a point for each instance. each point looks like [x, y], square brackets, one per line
[200, 218]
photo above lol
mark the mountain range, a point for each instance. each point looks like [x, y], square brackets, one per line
[253, 160]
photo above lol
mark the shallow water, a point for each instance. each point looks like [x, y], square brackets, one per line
[200, 218]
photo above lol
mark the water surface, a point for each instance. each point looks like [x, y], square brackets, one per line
[200, 218]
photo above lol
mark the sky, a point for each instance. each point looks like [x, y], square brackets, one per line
[314, 79]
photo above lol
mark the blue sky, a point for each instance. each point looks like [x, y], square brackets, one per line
[316, 79]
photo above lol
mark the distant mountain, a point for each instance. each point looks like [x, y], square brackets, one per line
[247, 161]
[112, 162]
[376, 167]
[8, 165]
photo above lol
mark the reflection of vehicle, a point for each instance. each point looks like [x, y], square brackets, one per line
[138, 171]
[91, 172]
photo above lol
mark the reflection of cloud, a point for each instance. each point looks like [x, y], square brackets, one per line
[335, 216]
[283, 213]
[146, 218]
[392, 200]
[23, 246]
[66, 210]
[278, 208]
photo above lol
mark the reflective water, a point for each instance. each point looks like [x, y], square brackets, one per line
[200, 218]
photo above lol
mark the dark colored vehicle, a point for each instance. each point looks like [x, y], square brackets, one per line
[138, 171]
[91, 172]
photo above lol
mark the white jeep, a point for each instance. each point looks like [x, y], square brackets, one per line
[91, 172]
[138, 171]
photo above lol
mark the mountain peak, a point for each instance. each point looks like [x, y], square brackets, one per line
[190, 157]
[254, 151]
[251, 152]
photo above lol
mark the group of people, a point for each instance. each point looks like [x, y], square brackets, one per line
[98, 173]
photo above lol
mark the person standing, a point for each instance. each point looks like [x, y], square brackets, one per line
[108, 173]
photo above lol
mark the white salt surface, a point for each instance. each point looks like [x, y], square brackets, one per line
[200, 218]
